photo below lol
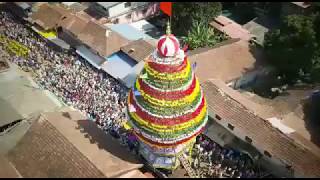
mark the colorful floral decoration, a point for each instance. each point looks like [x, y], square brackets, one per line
[167, 108]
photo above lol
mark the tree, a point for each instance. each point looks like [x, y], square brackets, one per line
[292, 48]
[315, 6]
[315, 70]
[201, 35]
[186, 13]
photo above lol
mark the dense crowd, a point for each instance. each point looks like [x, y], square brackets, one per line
[68, 76]
[222, 162]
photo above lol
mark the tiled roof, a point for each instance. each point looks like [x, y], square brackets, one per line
[101, 39]
[61, 145]
[138, 50]
[74, 23]
[7, 170]
[49, 16]
[133, 174]
[231, 28]
[263, 135]
[226, 62]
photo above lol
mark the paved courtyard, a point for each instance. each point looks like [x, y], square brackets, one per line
[21, 98]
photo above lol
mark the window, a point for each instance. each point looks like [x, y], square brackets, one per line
[230, 126]
[127, 4]
[267, 154]
[249, 140]
[218, 117]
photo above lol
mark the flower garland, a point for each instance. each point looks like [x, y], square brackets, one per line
[165, 112]
[163, 103]
[163, 143]
[169, 85]
[184, 116]
[168, 76]
[167, 128]
[180, 88]
[168, 68]
[169, 95]
[170, 134]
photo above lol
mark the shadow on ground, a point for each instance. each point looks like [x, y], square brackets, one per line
[312, 119]
[105, 141]
[263, 75]
[8, 114]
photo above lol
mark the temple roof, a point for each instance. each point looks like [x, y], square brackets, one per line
[64, 144]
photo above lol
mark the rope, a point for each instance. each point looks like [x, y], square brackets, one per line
[185, 163]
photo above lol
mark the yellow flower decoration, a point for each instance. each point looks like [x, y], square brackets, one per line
[167, 76]
[171, 129]
[175, 103]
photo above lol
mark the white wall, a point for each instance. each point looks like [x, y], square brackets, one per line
[135, 14]
[118, 9]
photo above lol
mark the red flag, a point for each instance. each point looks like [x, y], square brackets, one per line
[166, 7]
[185, 48]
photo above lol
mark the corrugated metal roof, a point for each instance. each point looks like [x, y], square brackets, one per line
[118, 65]
[61, 43]
[23, 5]
[129, 32]
[92, 58]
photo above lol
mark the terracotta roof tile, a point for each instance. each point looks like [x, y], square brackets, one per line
[57, 145]
[102, 39]
[138, 50]
[49, 16]
[74, 23]
[264, 136]
[7, 170]
[226, 62]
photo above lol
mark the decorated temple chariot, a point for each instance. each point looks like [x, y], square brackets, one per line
[166, 106]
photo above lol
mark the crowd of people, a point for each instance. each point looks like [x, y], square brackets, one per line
[221, 162]
[68, 76]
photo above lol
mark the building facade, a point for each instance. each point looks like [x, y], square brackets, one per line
[126, 12]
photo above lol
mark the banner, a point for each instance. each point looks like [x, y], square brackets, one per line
[166, 7]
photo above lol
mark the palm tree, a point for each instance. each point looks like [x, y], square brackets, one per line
[201, 35]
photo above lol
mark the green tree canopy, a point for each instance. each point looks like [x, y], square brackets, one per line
[201, 35]
[293, 48]
[186, 13]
